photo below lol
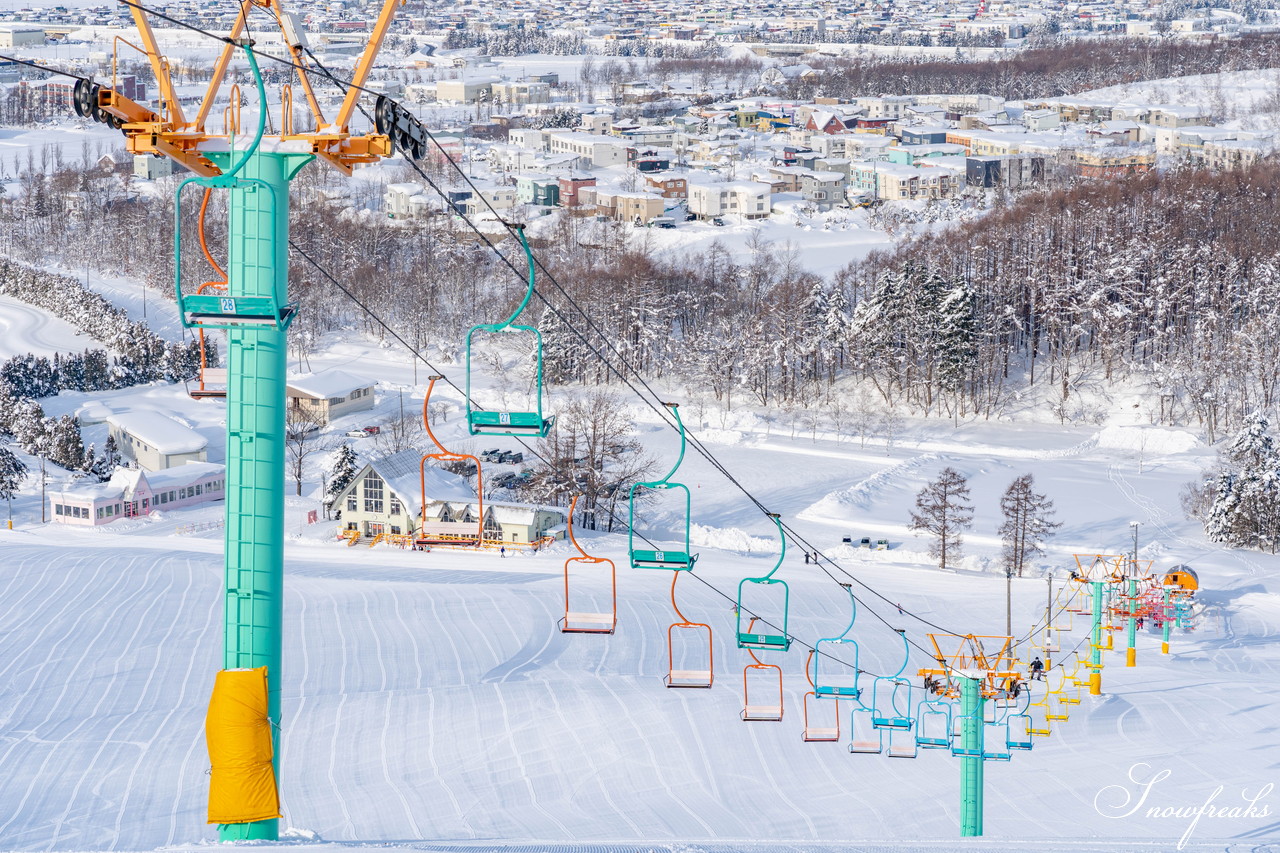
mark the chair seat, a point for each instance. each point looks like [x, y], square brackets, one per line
[650, 559]
[762, 712]
[821, 734]
[832, 690]
[778, 642]
[892, 722]
[508, 423]
[689, 678]
[588, 623]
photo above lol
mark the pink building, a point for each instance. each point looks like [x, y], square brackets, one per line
[132, 492]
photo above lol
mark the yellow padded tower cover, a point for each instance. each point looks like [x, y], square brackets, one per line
[238, 733]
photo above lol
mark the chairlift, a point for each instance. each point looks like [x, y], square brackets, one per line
[1019, 736]
[891, 695]
[958, 722]
[864, 736]
[581, 622]
[779, 639]
[831, 683]
[995, 741]
[440, 536]
[761, 702]
[688, 677]
[487, 422]
[813, 732]
[652, 558]
[1052, 693]
[933, 724]
[902, 744]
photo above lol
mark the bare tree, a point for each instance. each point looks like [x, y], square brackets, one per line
[302, 440]
[1026, 523]
[592, 452]
[400, 433]
[943, 511]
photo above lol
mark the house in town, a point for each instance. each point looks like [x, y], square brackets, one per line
[386, 497]
[154, 441]
[133, 492]
[322, 397]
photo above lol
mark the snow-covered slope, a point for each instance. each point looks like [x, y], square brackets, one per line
[430, 696]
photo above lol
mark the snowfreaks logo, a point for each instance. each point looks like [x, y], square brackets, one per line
[1121, 801]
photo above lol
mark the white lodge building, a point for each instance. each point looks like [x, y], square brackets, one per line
[385, 497]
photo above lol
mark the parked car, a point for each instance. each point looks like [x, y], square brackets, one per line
[511, 457]
[848, 540]
[716, 220]
[363, 432]
[491, 455]
[882, 544]
[865, 542]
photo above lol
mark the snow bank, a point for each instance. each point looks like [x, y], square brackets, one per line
[731, 539]
[838, 505]
[1147, 440]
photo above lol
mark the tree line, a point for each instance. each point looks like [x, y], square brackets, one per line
[1060, 69]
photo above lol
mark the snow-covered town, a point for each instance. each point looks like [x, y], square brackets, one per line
[775, 426]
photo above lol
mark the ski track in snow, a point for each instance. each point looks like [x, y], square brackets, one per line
[457, 710]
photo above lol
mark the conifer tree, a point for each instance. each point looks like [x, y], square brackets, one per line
[943, 510]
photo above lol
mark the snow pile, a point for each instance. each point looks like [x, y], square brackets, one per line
[731, 539]
[1147, 440]
[836, 505]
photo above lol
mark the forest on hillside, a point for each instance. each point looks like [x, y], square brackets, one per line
[1060, 299]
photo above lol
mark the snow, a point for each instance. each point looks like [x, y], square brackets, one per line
[1150, 440]
[430, 696]
[328, 384]
[160, 431]
[26, 329]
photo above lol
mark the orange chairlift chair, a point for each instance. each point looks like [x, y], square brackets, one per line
[815, 732]
[579, 621]
[761, 702]
[687, 676]
[438, 537]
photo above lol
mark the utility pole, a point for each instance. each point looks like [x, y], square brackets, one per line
[1008, 601]
[43, 480]
[1048, 625]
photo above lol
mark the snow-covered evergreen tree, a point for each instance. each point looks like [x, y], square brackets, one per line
[27, 424]
[957, 338]
[105, 465]
[340, 476]
[1246, 508]
[12, 472]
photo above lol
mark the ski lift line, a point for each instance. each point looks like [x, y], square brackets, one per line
[532, 452]
[706, 454]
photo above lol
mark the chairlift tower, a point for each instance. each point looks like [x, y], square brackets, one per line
[980, 667]
[255, 169]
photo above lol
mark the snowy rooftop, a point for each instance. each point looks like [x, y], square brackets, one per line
[327, 384]
[159, 431]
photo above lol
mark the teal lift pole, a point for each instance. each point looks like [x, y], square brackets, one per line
[971, 762]
[1095, 642]
[1164, 618]
[250, 311]
[1131, 653]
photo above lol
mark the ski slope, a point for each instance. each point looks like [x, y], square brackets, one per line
[430, 701]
